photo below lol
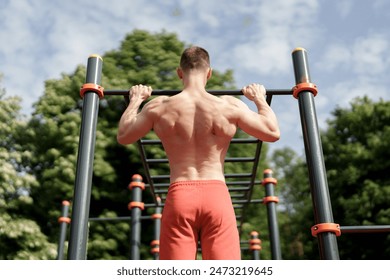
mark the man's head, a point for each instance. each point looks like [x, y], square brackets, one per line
[194, 59]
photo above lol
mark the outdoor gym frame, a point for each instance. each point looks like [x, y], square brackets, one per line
[304, 91]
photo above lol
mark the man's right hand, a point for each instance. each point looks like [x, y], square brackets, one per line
[254, 91]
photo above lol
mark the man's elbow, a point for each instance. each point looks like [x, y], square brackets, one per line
[273, 136]
[121, 139]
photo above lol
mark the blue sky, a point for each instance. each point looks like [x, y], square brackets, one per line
[348, 44]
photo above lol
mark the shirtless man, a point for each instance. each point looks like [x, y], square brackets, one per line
[195, 129]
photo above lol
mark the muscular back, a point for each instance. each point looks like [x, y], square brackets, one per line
[195, 129]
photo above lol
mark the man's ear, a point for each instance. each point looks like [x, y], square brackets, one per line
[179, 73]
[209, 73]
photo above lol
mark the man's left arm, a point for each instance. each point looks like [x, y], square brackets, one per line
[133, 124]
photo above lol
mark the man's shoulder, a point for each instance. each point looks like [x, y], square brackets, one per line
[155, 103]
[157, 100]
[232, 100]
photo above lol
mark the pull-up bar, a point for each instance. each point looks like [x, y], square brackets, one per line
[213, 92]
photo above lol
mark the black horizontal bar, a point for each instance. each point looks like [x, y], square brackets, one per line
[231, 175]
[365, 229]
[157, 92]
[238, 189]
[157, 177]
[238, 175]
[234, 141]
[163, 188]
[242, 183]
[157, 160]
[237, 196]
[161, 191]
[237, 159]
[113, 219]
[246, 201]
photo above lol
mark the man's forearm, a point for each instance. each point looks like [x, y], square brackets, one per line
[266, 111]
[128, 117]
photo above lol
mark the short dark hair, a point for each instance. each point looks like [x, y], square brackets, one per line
[194, 58]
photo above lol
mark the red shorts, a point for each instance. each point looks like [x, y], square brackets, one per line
[199, 210]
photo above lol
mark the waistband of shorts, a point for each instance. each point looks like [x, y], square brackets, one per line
[198, 183]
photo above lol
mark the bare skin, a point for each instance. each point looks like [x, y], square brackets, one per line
[196, 127]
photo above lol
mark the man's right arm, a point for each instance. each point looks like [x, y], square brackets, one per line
[263, 125]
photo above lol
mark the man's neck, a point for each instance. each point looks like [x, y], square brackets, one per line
[194, 82]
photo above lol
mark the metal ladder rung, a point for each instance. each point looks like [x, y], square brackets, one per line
[233, 141]
[238, 175]
[242, 183]
[164, 191]
[237, 159]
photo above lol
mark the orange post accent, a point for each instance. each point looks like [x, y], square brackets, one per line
[92, 87]
[255, 247]
[268, 199]
[64, 220]
[155, 244]
[138, 204]
[304, 87]
[156, 216]
[269, 180]
[155, 250]
[255, 241]
[135, 184]
[267, 171]
[136, 177]
[325, 227]
[65, 203]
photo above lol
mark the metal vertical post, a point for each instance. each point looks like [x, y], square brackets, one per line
[136, 206]
[64, 220]
[155, 244]
[305, 92]
[255, 245]
[91, 92]
[270, 200]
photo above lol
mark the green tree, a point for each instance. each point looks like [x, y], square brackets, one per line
[357, 155]
[20, 237]
[356, 147]
[53, 136]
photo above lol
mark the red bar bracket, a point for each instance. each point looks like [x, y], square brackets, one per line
[268, 199]
[325, 227]
[269, 180]
[92, 87]
[138, 204]
[64, 220]
[155, 244]
[136, 184]
[304, 87]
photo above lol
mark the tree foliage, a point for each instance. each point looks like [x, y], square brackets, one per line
[20, 236]
[38, 161]
[357, 155]
[356, 147]
[52, 140]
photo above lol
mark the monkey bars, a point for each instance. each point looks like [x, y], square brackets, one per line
[240, 185]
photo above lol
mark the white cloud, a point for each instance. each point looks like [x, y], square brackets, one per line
[344, 7]
[42, 39]
[281, 27]
[370, 55]
[337, 55]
